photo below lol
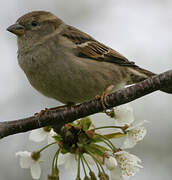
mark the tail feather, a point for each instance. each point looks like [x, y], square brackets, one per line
[138, 74]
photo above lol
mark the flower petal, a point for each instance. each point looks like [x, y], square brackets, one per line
[50, 136]
[134, 136]
[128, 163]
[35, 170]
[69, 162]
[116, 174]
[124, 115]
[129, 171]
[89, 159]
[38, 135]
[136, 124]
[62, 158]
[111, 163]
[128, 143]
[25, 159]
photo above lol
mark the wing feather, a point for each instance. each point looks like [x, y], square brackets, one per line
[87, 46]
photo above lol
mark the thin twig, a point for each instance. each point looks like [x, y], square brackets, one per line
[61, 116]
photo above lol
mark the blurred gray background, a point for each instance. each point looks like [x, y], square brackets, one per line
[139, 29]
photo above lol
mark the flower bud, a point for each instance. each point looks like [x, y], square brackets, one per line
[103, 176]
[35, 155]
[110, 162]
[53, 177]
[86, 178]
[92, 175]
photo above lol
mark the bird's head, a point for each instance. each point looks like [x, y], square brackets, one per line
[35, 26]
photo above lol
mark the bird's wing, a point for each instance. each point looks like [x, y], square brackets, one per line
[88, 47]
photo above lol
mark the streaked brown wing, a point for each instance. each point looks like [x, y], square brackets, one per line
[88, 47]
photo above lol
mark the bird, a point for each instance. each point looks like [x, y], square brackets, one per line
[66, 64]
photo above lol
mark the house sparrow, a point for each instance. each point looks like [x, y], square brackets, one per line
[67, 64]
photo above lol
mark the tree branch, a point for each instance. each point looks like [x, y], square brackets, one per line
[61, 116]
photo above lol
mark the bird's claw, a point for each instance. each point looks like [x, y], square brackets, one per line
[38, 115]
[102, 97]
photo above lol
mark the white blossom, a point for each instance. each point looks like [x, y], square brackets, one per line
[70, 162]
[128, 164]
[50, 137]
[124, 115]
[135, 133]
[110, 162]
[89, 159]
[38, 135]
[26, 161]
[116, 174]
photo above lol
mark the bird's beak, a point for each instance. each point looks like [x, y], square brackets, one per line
[16, 29]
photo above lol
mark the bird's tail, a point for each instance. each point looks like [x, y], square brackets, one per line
[138, 74]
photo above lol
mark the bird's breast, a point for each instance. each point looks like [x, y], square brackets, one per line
[68, 78]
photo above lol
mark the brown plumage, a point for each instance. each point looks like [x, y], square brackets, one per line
[89, 47]
[67, 64]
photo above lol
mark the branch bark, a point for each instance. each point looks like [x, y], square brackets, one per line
[61, 116]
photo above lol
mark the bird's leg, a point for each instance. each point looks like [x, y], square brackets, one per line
[54, 108]
[102, 97]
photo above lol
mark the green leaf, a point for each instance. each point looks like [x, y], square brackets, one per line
[96, 138]
[93, 148]
[85, 123]
[58, 138]
[102, 148]
[114, 135]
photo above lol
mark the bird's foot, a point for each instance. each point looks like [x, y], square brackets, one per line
[102, 97]
[42, 112]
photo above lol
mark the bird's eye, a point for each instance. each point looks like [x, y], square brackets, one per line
[35, 23]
